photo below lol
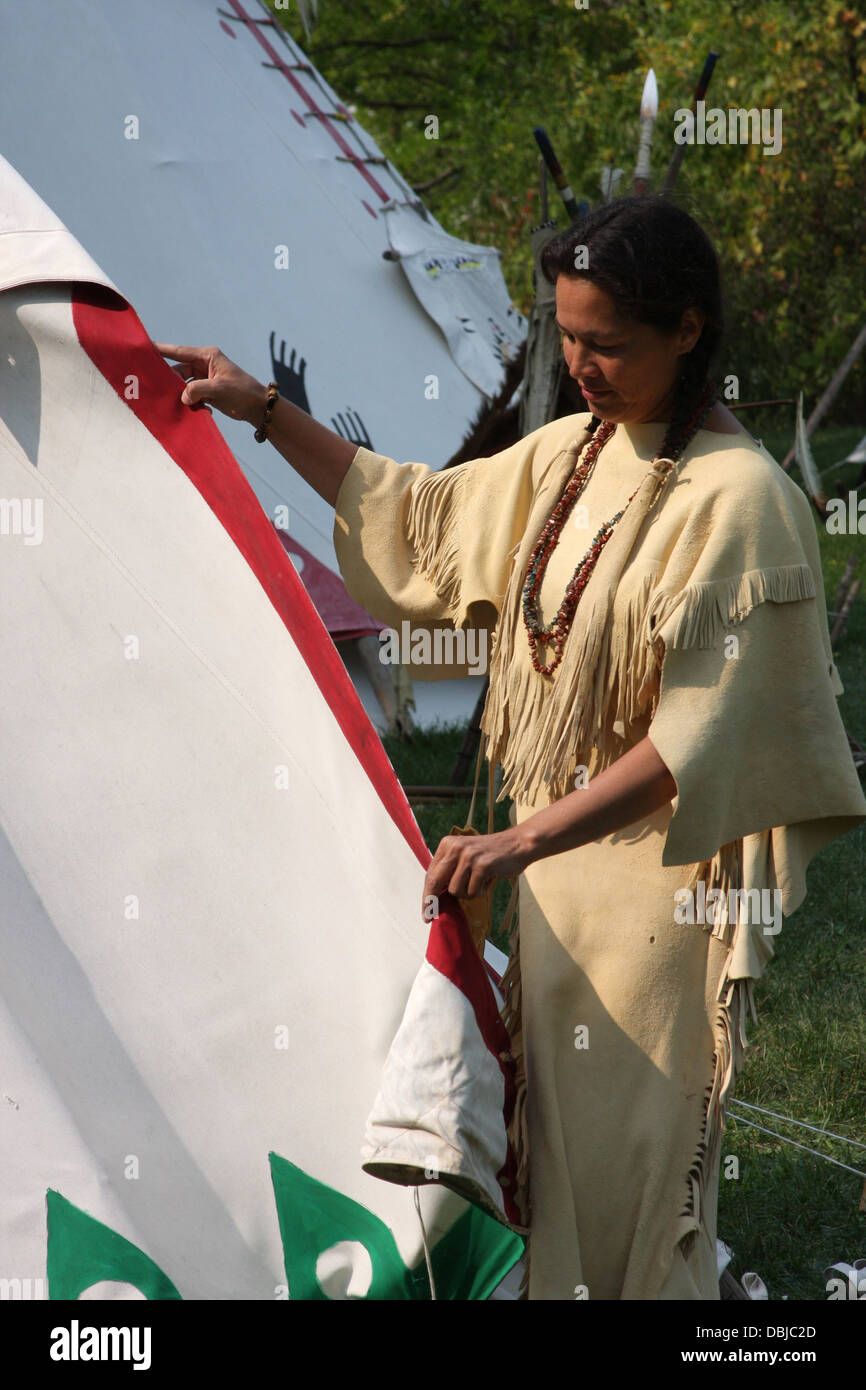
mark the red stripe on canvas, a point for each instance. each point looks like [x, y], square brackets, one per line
[112, 335]
[450, 950]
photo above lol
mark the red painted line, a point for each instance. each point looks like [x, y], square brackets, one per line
[112, 335]
[256, 31]
[450, 950]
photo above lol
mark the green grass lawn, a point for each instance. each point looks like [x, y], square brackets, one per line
[787, 1215]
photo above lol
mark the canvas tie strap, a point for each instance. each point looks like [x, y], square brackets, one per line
[478, 910]
[471, 815]
[424, 1243]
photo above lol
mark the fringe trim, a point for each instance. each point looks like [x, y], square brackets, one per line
[434, 511]
[731, 1047]
[735, 1003]
[542, 728]
[546, 728]
[706, 609]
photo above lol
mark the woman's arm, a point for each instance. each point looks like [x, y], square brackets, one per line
[636, 785]
[630, 789]
[320, 456]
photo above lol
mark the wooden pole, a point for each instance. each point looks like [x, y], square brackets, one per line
[700, 92]
[556, 173]
[468, 748]
[437, 791]
[844, 611]
[844, 582]
[393, 701]
[832, 390]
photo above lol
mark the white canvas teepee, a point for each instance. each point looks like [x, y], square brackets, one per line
[210, 881]
[216, 176]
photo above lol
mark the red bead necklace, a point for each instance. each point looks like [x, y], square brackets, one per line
[556, 632]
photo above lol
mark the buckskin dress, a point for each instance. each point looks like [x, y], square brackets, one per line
[703, 627]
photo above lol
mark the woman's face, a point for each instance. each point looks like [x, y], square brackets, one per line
[631, 366]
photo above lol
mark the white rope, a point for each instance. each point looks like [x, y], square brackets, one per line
[797, 1145]
[802, 1123]
[424, 1239]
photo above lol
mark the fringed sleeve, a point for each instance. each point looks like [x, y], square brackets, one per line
[747, 718]
[433, 547]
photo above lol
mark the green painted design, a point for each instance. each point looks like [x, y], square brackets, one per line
[314, 1217]
[472, 1257]
[468, 1262]
[82, 1251]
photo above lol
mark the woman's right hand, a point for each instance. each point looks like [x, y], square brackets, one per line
[212, 379]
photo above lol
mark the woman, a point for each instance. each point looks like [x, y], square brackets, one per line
[662, 700]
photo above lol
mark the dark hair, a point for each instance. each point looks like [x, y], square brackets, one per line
[655, 261]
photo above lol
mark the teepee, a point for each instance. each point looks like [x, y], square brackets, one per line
[210, 880]
[215, 176]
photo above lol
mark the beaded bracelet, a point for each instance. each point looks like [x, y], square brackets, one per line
[261, 433]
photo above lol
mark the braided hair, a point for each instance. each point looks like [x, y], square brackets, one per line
[654, 261]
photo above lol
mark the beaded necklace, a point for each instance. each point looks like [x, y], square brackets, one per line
[556, 632]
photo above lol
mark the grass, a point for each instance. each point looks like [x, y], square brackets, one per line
[787, 1215]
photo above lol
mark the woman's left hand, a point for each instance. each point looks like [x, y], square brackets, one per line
[466, 864]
